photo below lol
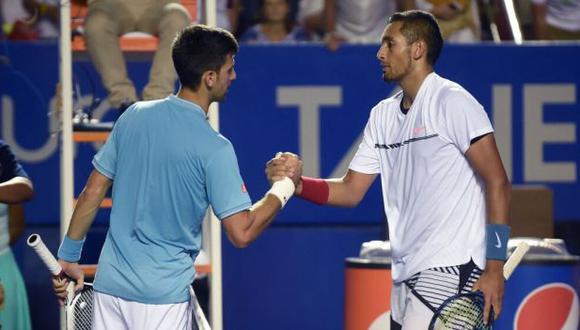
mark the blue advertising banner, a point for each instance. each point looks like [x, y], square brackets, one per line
[314, 102]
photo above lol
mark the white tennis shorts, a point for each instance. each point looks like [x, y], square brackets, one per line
[414, 301]
[116, 313]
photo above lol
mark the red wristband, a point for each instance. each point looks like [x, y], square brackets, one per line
[314, 190]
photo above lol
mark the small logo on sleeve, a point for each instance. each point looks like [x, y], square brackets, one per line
[244, 190]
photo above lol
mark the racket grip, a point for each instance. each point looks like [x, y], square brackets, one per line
[35, 242]
[515, 259]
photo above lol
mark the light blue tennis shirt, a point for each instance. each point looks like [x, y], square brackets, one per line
[167, 165]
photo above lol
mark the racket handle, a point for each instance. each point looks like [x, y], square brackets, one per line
[515, 259]
[35, 242]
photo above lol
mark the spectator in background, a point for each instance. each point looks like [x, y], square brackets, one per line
[30, 19]
[227, 16]
[556, 19]
[458, 19]
[275, 25]
[310, 16]
[228, 13]
[356, 21]
[15, 188]
[108, 19]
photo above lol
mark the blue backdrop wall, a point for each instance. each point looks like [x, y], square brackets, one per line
[307, 100]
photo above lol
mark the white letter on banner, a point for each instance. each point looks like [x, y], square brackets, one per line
[308, 100]
[502, 122]
[31, 156]
[536, 132]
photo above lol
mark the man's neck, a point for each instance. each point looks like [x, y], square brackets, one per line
[411, 85]
[198, 97]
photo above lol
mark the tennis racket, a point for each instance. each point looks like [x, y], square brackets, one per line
[200, 322]
[78, 306]
[465, 311]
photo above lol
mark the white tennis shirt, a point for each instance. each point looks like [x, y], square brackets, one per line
[434, 201]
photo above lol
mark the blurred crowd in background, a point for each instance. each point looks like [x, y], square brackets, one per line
[334, 22]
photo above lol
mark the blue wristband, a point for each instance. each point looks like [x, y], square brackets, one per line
[497, 236]
[70, 250]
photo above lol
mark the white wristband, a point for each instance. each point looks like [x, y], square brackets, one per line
[283, 190]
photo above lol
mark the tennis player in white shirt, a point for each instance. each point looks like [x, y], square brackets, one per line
[443, 183]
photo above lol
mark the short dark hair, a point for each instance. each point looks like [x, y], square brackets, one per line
[200, 48]
[421, 25]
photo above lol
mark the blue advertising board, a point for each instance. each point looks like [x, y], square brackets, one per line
[314, 102]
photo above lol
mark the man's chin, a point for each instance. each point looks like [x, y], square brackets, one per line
[390, 78]
[220, 98]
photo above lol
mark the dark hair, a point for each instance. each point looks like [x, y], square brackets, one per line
[421, 25]
[200, 48]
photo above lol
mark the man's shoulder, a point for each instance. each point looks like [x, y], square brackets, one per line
[389, 104]
[449, 88]
[452, 97]
[152, 103]
[215, 142]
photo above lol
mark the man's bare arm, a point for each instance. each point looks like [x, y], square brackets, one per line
[244, 227]
[88, 204]
[485, 160]
[349, 190]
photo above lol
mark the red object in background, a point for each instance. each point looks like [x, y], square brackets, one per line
[367, 294]
[22, 31]
[553, 306]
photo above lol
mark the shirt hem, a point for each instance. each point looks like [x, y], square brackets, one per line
[141, 300]
[359, 169]
[234, 210]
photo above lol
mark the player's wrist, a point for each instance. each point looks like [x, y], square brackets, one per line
[70, 250]
[314, 190]
[497, 236]
[492, 265]
[283, 190]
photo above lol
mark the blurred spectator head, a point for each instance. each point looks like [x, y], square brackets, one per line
[421, 25]
[276, 11]
[199, 48]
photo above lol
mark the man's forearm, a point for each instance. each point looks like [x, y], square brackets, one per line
[84, 214]
[244, 227]
[341, 194]
[88, 204]
[261, 215]
[498, 197]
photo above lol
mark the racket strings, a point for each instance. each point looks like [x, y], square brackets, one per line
[461, 313]
[81, 309]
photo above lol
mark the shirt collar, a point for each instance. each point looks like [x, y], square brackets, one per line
[186, 104]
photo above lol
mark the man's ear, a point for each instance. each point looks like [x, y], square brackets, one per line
[419, 49]
[209, 78]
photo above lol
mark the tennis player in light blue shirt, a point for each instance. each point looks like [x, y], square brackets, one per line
[171, 166]
[168, 165]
